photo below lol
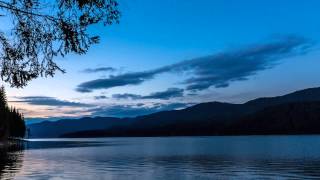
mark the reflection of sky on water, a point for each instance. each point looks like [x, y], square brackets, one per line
[166, 158]
[11, 160]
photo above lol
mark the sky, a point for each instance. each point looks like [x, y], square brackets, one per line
[172, 54]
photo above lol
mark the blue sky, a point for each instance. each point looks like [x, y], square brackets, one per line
[161, 50]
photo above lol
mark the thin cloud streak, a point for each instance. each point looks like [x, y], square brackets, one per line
[136, 110]
[48, 101]
[49, 107]
[163, 95]
[100, 69]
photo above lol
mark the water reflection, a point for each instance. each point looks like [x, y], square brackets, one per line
[206, 167]
[12, 153]
[11, 159]
[64, 143]
[165, 158]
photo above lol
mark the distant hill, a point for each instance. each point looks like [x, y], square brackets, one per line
[260, 116]
[290, 118]
[306, 95]
[53, 129]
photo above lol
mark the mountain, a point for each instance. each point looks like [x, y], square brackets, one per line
[203, 112]
[259, 116]
[290, 118]
[53, 129]
[306, 95]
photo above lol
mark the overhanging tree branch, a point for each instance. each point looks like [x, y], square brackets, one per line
[37, 37]
[7, 6]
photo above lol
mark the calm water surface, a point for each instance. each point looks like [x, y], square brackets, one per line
[242, 157]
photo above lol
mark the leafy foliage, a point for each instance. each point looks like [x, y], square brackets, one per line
[44, 29]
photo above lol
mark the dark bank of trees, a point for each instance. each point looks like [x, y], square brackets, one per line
[11, 120]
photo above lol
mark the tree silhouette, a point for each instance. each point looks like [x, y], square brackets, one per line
[44, 29]
[11, 121]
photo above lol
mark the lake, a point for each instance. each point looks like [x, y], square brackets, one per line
[219, 157]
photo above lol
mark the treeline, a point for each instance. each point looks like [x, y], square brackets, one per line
[11, 120]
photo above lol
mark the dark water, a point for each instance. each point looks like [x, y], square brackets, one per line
[243, 157]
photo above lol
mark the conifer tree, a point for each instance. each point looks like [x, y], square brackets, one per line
[11, 120]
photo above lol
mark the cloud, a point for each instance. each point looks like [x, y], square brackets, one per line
[217, 70]
[135, 110]
[169, 93]
[49, 101]
[165, 95]
[100, 97]
[126, 96]
[65, 109]
[96, 70]
[119, 80]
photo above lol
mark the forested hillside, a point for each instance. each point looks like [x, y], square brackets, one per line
[11, 120]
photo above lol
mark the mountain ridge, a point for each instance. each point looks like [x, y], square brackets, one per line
[209, 118]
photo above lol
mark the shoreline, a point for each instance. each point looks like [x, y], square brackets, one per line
[11, 142]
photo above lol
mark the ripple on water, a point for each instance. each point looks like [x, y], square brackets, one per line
[247, 157]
